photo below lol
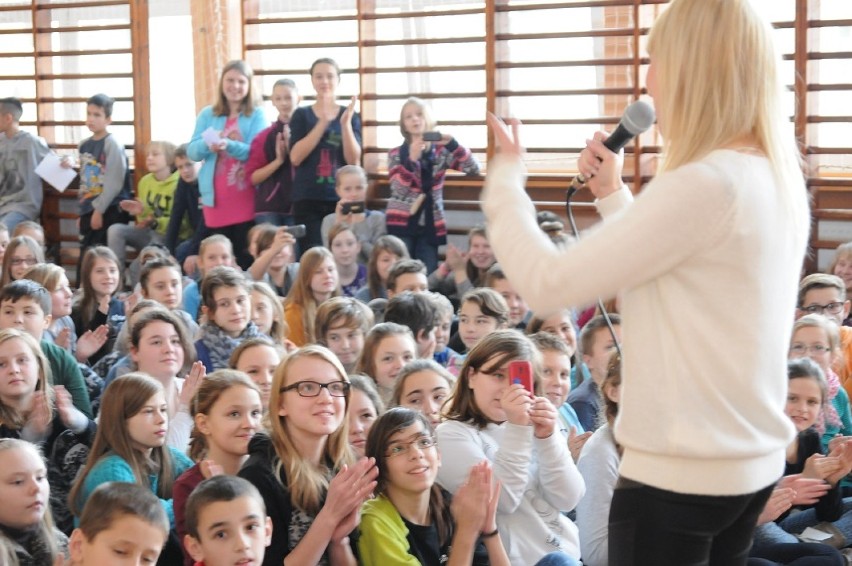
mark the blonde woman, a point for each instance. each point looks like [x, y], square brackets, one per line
[706, 262]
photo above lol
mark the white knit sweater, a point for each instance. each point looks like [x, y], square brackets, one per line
[707, 262]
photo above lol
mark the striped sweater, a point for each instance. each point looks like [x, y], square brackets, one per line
[408, 180]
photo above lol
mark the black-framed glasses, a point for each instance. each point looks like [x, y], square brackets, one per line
[422, 443]
[313, 388]
[831, 308]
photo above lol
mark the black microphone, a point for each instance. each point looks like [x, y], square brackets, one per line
[637, 118]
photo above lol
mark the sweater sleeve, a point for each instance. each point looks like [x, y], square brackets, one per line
[381, 542]
[180, 428]
[114, 175]
[693, 203]
[462, 447]
[599, 466]
[197, 149]
[561, 483]
[257, 156]
[378, 228]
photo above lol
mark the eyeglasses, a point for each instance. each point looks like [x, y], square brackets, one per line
[831, 308]
[313, 388]
[422, 443]
[24, 261]
[803, 349]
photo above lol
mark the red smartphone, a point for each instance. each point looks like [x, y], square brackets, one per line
[520, 371]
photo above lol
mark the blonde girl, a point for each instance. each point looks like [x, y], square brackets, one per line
[27, 533]
[130, 445]
[304, 467]
[21, 254]
[841, 266]
[317, 282]
[227, 196]
[387, 348]
[258, 358]
[32, 410]
[415, 210]
[227, 411]
[95, 304]
[386, 251]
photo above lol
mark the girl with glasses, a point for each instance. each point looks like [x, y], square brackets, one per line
[818, 338]
[489, 418]
[311, 484]
[21, 254]
[414, 520]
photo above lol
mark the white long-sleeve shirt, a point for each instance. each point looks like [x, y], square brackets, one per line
[598, 465]
[538, 477]
[707, 261]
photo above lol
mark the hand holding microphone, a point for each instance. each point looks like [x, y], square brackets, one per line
[600, 163]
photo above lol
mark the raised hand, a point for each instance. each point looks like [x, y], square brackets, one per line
[576, 442]
[807, 490]
[209, 468]
[456, 259]
[91, 341]
[820, 467]
[543, 417]
[516, 402]
[472, 499]
[346, 117]
[190, 385]
[506, 134]
[347, 491]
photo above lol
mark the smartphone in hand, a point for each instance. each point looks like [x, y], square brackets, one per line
[298, 231]
[432, 136]
[520, 371]
[352, 207]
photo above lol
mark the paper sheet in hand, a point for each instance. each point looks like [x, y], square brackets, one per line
[51, 170]
[210, 136]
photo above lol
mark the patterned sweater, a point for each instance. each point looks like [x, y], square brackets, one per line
[409, 179]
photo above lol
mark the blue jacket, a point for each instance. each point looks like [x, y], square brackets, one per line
[197, 150]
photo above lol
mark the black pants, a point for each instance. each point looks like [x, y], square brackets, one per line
[238, 234]
[310, 213]
[90, 238]
[653, 526]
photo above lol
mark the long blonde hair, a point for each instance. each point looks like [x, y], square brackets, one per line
[8, 415]
[714, 88]
[306, 483]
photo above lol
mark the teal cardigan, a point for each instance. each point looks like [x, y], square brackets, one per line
[197, 149]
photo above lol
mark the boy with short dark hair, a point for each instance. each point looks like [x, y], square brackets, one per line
[27, 306]
[21, 191]
[104, 177]
[232, 507]
[407, 275]
[418, 312]
[596, 345]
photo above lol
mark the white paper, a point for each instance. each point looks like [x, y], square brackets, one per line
[210, 136]
[51, 170]
[815, 534]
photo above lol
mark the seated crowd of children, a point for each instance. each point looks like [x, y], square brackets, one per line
[234, 395]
